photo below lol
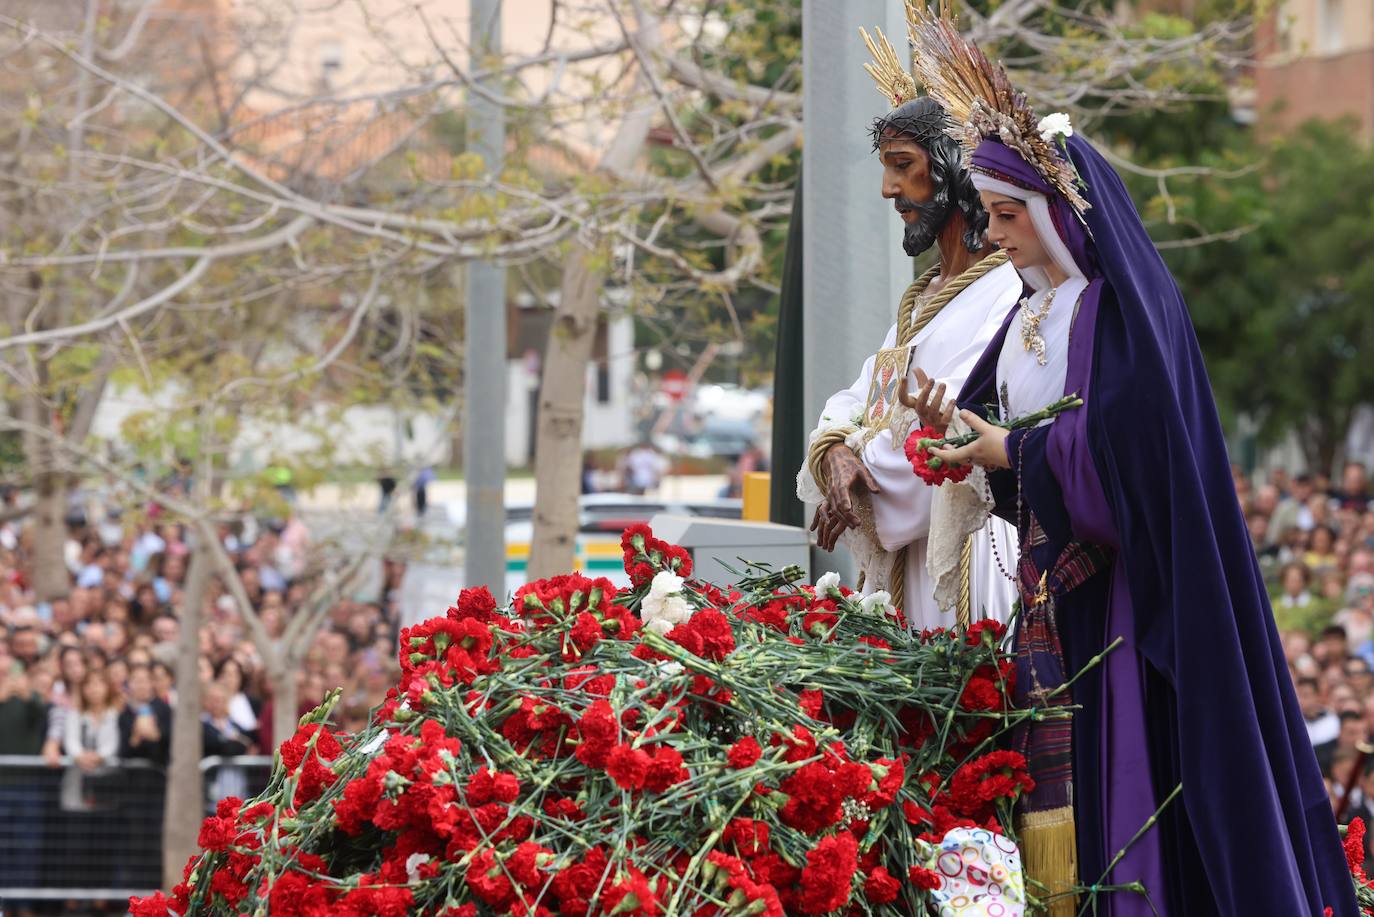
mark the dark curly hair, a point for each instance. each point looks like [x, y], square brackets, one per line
[923, 121]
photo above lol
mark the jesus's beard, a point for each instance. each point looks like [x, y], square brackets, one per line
[921, 235]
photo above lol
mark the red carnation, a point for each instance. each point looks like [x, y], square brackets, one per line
[927, 879]
[920, 459]
[937, 821]
[819, 623]
[890, 777]
[599, 730]
[996, 775]
[881, 886]
[817, 791]
[749, 835]
[583, 636]
[628, 766]
[773, 614]
[488, 880]
[744, 753]
[988, 688]
[633, 897]
[800, 744]
[1354, 848]
[685, 636]
[476, 603]
[987, 632]
[216, 833]
[158, 905]
[307, 754]
[830, 868]
[717, 640]
[525, 863]
[665, 769]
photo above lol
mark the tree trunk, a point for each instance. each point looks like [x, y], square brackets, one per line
[282, 678]
[51, 579]
[185, 793]
[562, 392]
[558, 441]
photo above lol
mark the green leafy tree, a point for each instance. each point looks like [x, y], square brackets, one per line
[1282, 308]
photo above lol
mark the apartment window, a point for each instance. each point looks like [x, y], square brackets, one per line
[1330, 26]
[603, 383]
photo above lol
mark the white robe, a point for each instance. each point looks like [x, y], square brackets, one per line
[946, 349]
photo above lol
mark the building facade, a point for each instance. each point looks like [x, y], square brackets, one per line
[1315, 59]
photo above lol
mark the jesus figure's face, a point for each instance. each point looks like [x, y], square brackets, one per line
[907, 182]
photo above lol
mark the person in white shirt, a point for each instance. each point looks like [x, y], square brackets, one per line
[644, 469]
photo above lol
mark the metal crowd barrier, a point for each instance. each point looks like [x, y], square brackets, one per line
[71, 835]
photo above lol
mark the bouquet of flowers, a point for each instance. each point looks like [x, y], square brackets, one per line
[933, 470]
[668, 749]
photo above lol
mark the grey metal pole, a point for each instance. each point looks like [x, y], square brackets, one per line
[484, 430]
[853, 268]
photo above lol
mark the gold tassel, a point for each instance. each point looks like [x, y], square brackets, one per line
[1049, 852]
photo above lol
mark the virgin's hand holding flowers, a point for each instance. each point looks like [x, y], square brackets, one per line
[989, 450]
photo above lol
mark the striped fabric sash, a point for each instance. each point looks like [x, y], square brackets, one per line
[1077, 564]
[1040, 677]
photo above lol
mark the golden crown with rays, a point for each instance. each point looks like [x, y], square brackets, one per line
[975, 92]
[893, 80]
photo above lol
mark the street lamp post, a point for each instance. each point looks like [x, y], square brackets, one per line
[484, 429]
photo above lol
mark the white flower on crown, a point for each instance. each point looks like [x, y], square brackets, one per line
[828, 584]
[664, 607]
[1055, 126]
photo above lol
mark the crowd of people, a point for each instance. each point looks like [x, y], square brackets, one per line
[88, 681]
[1315, 542]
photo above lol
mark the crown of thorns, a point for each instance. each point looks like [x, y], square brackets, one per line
[924, 124]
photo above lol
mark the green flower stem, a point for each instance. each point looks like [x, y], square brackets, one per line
[1066, 403]
[706, 847]
[1092, 891]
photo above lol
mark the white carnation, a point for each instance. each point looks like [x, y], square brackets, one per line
[828, 584]
[1054, 126]
[876, 603]
[413, 864]
[665, 583]
[664, 607]
[376, 743]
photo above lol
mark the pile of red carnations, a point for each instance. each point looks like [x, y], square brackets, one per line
[1354, 845]
[668, 749]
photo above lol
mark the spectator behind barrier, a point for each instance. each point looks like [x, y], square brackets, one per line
[145, 723]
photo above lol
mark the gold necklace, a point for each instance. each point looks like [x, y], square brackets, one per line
[1030, 326]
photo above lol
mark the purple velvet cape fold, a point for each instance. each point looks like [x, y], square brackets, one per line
[1201, 690]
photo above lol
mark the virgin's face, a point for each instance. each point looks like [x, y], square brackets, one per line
[1010, 229]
